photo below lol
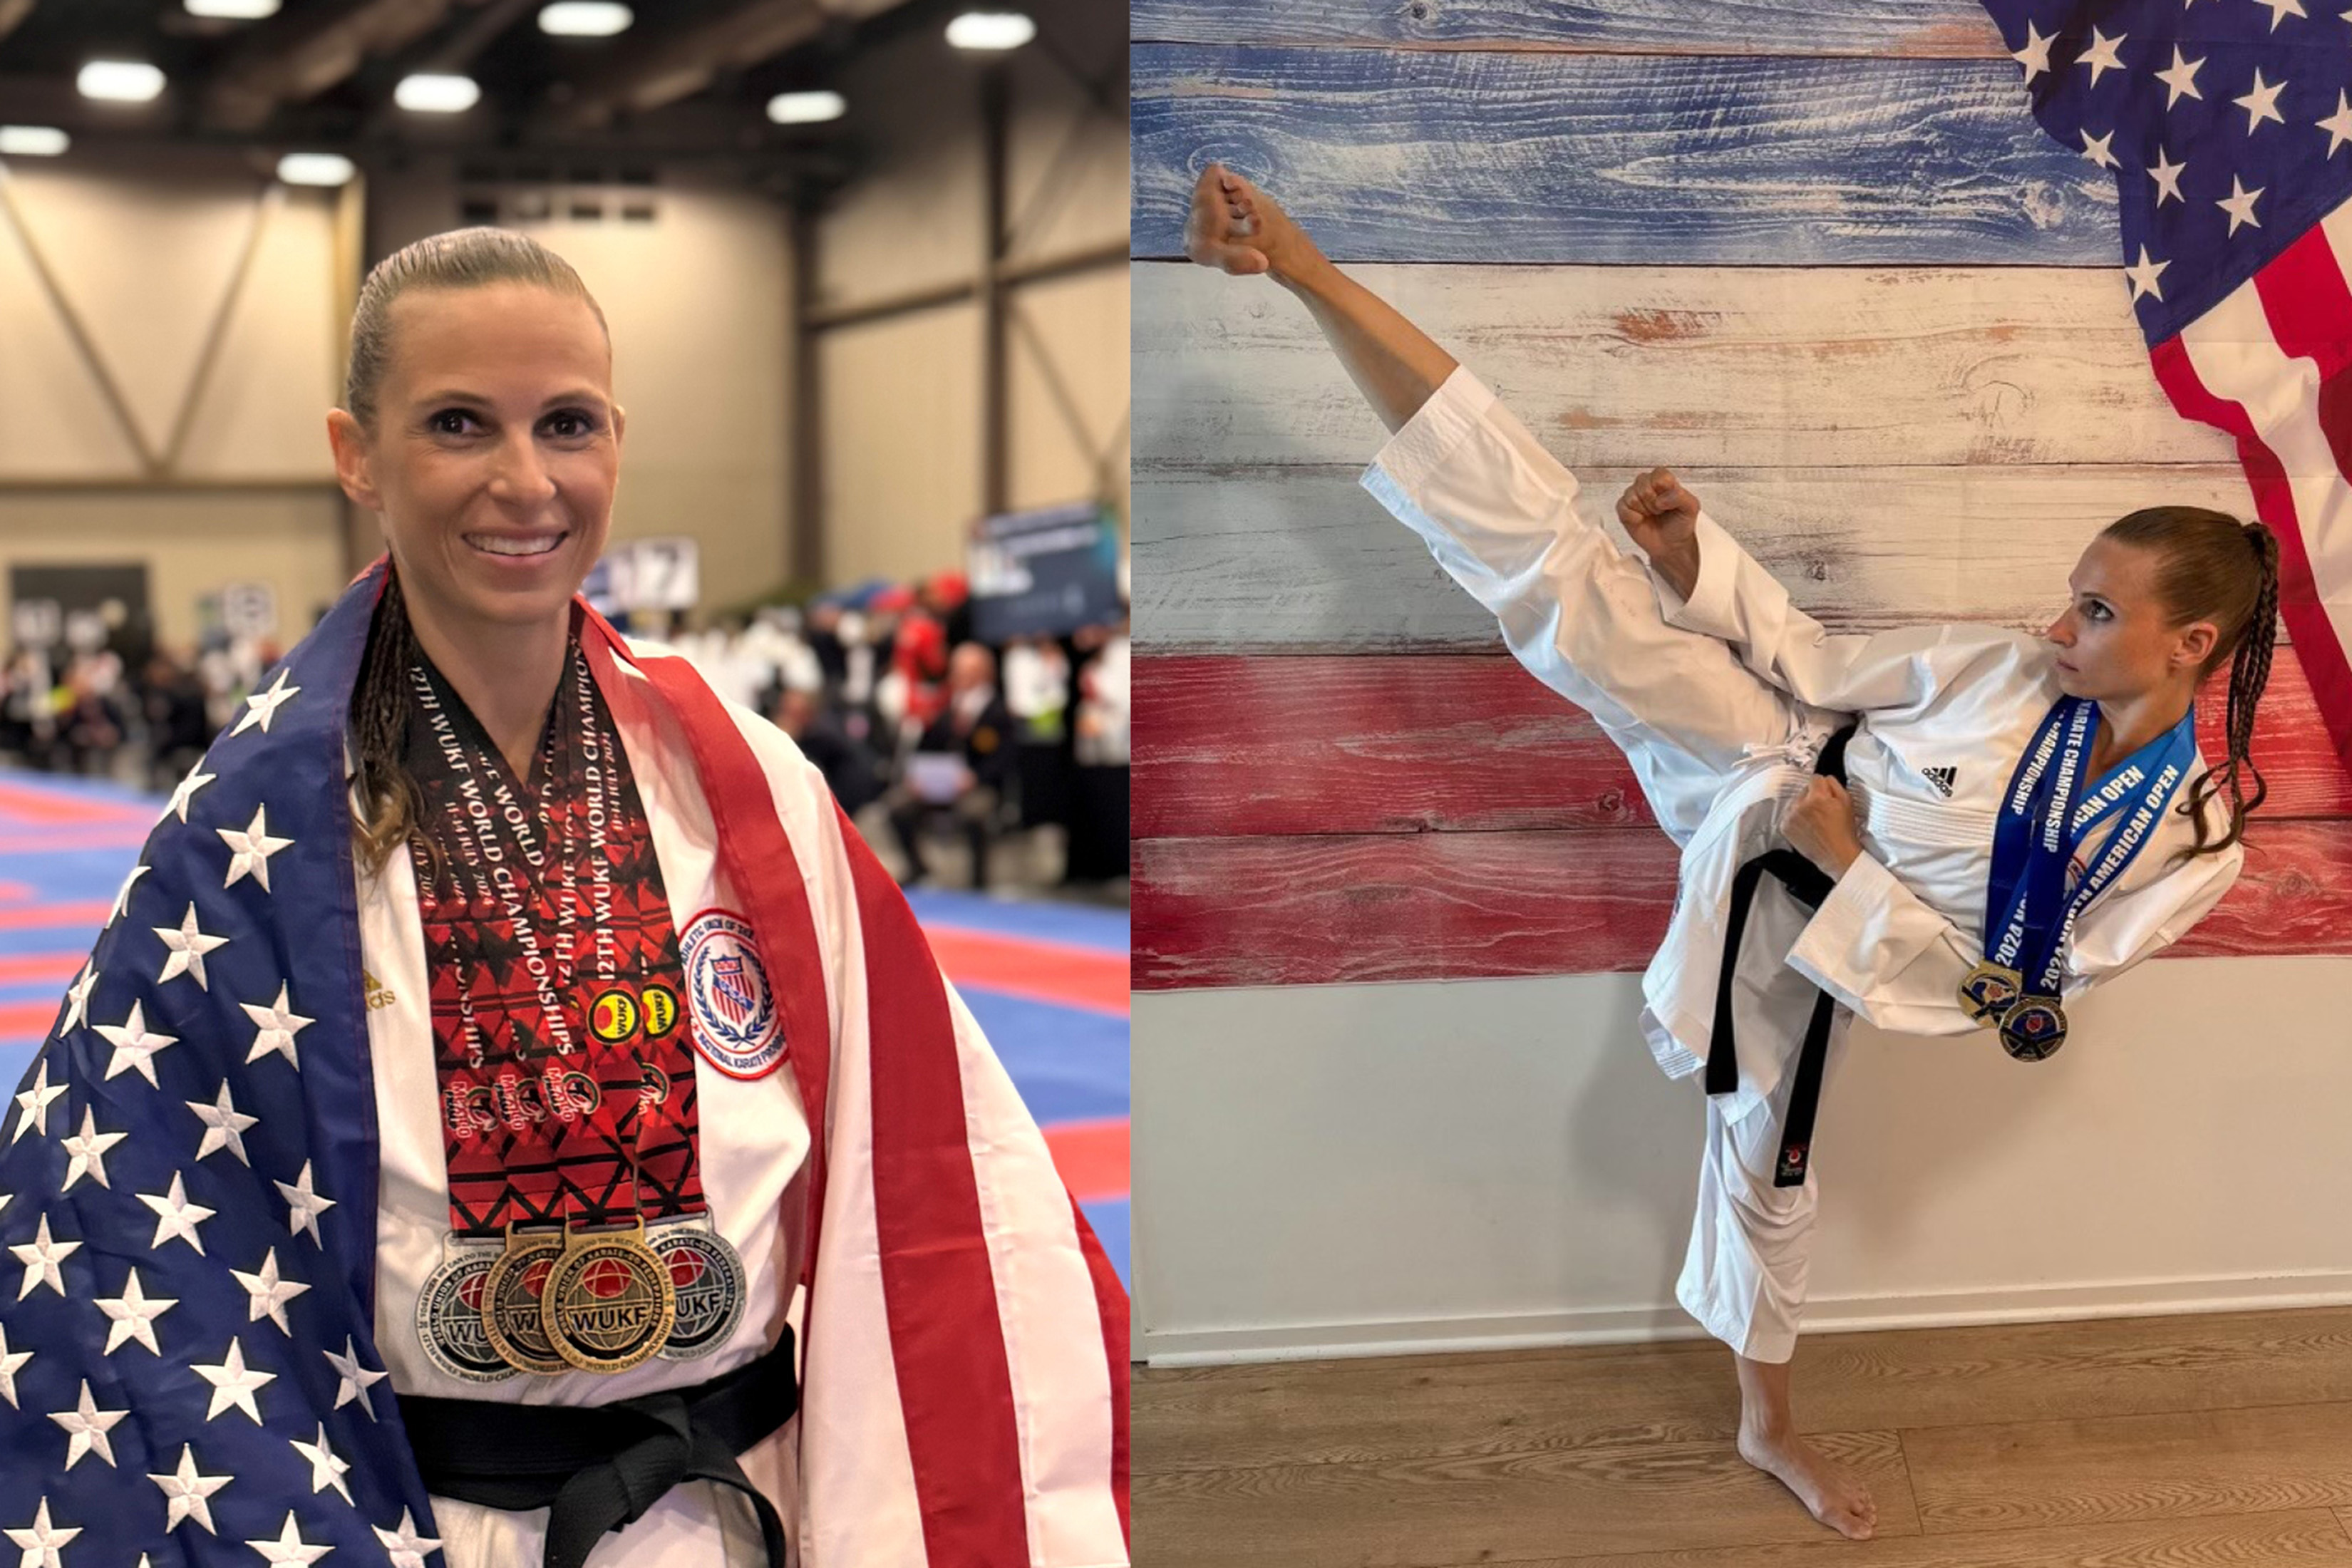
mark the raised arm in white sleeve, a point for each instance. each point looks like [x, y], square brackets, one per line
[1877, 948]
[1738, 600]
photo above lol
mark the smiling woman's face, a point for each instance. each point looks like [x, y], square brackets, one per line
[496, 451]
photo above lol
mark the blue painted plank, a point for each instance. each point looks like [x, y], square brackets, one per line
[1945, 28]
[1430, 156]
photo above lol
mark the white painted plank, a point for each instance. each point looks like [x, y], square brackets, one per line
[1931, 27]
[1633, 365]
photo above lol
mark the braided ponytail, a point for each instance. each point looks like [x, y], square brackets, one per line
[2212, 567]
[395, 805]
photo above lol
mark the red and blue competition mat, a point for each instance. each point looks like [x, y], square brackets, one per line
[1048, 982]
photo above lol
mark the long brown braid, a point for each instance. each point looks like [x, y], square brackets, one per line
[2212, 567]
[462, 258]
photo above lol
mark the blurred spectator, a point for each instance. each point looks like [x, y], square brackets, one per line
[960, 768]
[847, 765]
[1099, 824]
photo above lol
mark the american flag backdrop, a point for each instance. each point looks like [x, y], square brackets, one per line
[2228, 127]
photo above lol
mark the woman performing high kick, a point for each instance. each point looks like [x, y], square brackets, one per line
[2034, 816]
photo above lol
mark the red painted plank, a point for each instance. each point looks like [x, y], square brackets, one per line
[1060, 973]
[1312, 910]
[1238, 745]
[1092, 1157]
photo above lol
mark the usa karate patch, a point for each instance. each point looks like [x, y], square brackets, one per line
[738, 1027]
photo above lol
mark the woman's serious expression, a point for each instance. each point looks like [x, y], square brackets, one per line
[496, 449]
[2114, 642]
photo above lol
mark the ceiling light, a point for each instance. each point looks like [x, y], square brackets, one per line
[990, 30]
[584, 19]
[32, 140]
[315, 168]
[806, 108]
[121, 81]
[430, 94]
[233, 10]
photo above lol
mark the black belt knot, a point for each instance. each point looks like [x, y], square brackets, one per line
[1809, 885]
[596, 1467]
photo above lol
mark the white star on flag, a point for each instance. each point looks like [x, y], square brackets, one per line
[88, 1152]
[134, 1047]
[252, 849]
[2095, 148]
[2282, 9]
[122, 895]
[2167, 175]
[278, 1024]
[178, 805]
[269, 1293]
[233, 1383]
[287, 1549]
[41, 1257]
[87, 1426]
[41, 1542]
[224, 1125]
[185, 1491]
[2143, 275]
[9, 1362]
[2338, 125]
[2181, 78]
[354, 1379]
[2101, 55]
[2240, 205]
[187, 946]
[78, 997]
[408, 1549]
[133, 1315]
[262, 706]
[303, 1206]
[176, 1218]
[35, 1101]
[2035, 55]
[2260, 103]
[326, 1470]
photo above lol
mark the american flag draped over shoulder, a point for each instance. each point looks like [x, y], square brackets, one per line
[2228, 126]
[188, 1369]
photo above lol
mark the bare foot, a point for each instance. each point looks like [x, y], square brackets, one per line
[1831, 1492]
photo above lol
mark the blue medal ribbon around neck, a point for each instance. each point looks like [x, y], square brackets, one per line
[2047, 812]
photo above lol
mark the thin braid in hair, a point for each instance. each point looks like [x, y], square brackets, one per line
[380, 715]
[2249, 673]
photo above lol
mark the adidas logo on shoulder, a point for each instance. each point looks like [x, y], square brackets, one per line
[1942, 778]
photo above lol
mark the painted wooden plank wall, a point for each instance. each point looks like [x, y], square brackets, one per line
[1817, 259]
[1935, 28]
[1421, 155]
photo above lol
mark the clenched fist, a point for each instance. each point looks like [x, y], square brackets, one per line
[1820, 825]
[1659, 514]
[1236, 226]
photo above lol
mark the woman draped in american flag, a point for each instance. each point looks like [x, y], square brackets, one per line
[2035, 818]
[509, 1117]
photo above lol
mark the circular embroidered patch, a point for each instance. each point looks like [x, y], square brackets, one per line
[737, 1026]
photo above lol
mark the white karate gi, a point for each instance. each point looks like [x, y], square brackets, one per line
[1722, 729]
[753, 1142]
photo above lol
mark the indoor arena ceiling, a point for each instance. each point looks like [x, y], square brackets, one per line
[687, 78]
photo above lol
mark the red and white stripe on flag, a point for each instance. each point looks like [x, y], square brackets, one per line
[2268, 364]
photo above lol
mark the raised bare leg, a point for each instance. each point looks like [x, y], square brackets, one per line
[1768, 1440]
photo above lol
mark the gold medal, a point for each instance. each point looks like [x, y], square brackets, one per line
[1988, 991]
[609, 1303]
[2032, 1030]
[511, 1296]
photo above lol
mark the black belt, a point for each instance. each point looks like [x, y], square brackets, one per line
[596, 1467]
[1809, 885]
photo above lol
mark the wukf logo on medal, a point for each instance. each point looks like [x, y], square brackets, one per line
[737, 1026]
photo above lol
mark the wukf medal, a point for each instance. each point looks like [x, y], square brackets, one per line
[608, 1304]
[1989, 990]
[708, 1277]
[738, 1027]
[449, 1311]
[511, 1302]
[2034, 1028]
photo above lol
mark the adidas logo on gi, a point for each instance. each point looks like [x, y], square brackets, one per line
[1942, 779]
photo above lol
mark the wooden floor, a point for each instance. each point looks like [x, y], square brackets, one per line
[2131, 1442]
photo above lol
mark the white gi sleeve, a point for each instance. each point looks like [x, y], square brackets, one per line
[1736, 600]
[1877, 948]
